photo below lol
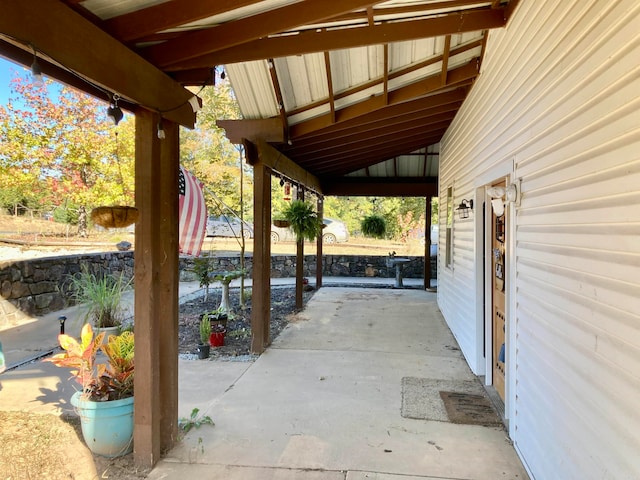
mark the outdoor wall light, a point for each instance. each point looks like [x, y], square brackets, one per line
[464, 207]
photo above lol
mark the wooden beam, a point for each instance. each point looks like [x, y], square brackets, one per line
[313, 41]
[279, 162]
[354, 139]
[445, 59]
[372, 157]
[165, 16]
[226, 35]
[419, 105]
[418, 89]
[381, 186]
[268, 129]
[332, 103]
[391, 75]
[413, 10]
[23, 57]
[278, 92]
[332, 153]
[70, 40]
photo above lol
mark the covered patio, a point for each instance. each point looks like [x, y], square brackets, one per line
[349, 391]
[342, 98]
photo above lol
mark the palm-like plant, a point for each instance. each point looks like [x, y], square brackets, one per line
[101, 296]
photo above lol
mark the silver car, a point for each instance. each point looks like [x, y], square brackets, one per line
[227, 226]
[334, 231]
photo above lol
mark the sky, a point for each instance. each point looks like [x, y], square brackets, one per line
[7, 71]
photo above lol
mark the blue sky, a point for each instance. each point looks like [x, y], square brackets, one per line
[7, 72]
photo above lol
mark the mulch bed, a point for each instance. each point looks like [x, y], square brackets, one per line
[238, 337]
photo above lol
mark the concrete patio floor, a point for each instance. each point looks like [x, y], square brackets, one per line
[324, 401]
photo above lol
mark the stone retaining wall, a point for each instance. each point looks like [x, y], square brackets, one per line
[35, 287]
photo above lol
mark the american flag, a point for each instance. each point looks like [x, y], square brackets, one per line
[193, 214]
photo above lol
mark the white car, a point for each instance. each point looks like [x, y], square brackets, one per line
[227, 226]
[334, 231]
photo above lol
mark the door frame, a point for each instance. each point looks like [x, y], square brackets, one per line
[502, 171]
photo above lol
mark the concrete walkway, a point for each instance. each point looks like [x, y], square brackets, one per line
[36, 337]
[324, 401]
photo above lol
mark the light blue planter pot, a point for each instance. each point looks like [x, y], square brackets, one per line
[107, 427]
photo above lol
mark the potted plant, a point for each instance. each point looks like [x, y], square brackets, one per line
[105, 402]
[219, 316]
[216, 338]
[101, 296]
[303, 220]
[205, 333]
[374, 226]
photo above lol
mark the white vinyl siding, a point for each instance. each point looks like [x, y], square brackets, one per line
[558, 100]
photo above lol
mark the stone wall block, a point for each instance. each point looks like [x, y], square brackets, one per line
[19, 290]
[43, 287]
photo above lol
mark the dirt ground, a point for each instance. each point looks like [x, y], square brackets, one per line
[22, 237]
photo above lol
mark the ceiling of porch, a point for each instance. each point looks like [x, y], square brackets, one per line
[351, 91]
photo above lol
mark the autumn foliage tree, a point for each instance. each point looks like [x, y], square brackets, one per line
[62, 152]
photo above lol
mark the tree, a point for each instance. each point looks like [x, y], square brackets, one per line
[62, 150]
[210, 156]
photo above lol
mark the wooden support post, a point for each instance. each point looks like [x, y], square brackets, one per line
[156, 284]
[427, 245]
[319, 264]
[299, 260]
[261, 289]
[168, 279]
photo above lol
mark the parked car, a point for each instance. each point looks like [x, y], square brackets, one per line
[335, 231]
[227, 226]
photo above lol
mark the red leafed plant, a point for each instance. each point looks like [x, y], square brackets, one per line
[100, 382]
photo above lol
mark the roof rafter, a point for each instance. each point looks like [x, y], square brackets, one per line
[353, 135]
[409, 10]
[390, 75]
[197, 43]
[457, 76]
[331, 153]
[428, 105]
[332, 103]
[337, 39]
[62, 34]
[163, 16]
[278, 92]
[367, 159]
[344, 140]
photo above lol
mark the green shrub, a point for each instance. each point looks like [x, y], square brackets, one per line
[374, 226]
[304, 221]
